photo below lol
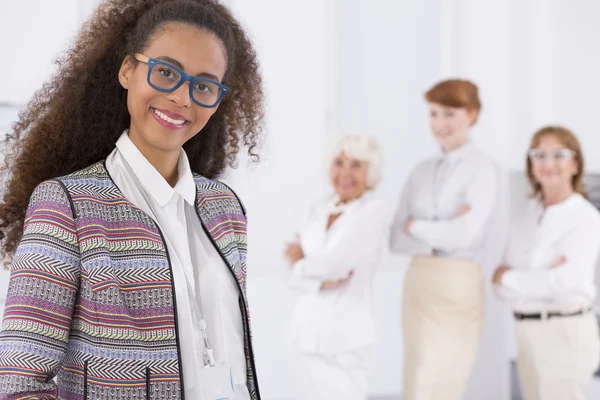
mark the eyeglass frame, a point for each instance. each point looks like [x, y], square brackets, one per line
[152, 62]
[531, 154]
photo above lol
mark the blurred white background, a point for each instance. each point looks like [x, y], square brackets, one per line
[355, 65]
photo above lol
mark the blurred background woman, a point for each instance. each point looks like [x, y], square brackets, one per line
[548, 274]
[333, 264]
[448, 220]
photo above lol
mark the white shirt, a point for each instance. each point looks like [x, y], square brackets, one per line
[338, 320]
[436, 189]
[570, 229]
[201, 277]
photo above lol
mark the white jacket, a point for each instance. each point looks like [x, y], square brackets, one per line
[338, 320]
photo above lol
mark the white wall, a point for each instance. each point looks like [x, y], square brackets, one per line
[34, 32]
[576, 72]
[8, 115]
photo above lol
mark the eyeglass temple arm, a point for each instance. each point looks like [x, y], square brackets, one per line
[141, 58]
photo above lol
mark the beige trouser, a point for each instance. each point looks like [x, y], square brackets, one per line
[557, 357]
[442, 319]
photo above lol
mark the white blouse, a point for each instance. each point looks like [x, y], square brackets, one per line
[436, 189]
[337, 320]
[570, 229]
[200, 274]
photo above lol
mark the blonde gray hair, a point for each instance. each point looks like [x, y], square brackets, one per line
[363, 148]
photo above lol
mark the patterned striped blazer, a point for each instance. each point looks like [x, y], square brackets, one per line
[91, 297]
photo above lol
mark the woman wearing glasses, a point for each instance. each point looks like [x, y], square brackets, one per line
[548, 275]
[127, 258]
[450, 220]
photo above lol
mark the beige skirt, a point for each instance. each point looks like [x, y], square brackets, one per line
[442, 318]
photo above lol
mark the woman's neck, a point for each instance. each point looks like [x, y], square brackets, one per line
[556, 195]
[341, 200]
[165, 162]
[456, 146]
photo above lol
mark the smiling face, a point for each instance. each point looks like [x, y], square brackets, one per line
[349, 177]
[450, 125]
[553, 164]
[162, 122]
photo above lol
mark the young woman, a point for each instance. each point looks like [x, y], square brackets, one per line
[127, 257]
[447, 220]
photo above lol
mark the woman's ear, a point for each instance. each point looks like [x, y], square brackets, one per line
[473, 114]
[125, 72]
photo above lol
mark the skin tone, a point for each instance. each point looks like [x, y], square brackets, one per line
[450, 125]
[349, 177]
[450, 128]
[349, 180]
[198, 53]
[555, 176]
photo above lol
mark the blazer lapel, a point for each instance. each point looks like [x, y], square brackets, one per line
[225, 225]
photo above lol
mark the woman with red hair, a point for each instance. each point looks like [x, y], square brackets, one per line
[447, 221]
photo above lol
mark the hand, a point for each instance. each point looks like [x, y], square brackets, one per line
[497, 278]
[464, 209]
[327, 285]
[560, 261]
[294, 253]
[408, 224]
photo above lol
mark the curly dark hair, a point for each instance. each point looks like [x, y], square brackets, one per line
[77, 117]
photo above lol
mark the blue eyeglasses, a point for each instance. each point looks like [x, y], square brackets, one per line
[164, 77]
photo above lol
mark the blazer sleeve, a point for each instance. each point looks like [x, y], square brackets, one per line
[43, 286]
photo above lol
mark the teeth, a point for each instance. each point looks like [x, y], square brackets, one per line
[171, 120]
